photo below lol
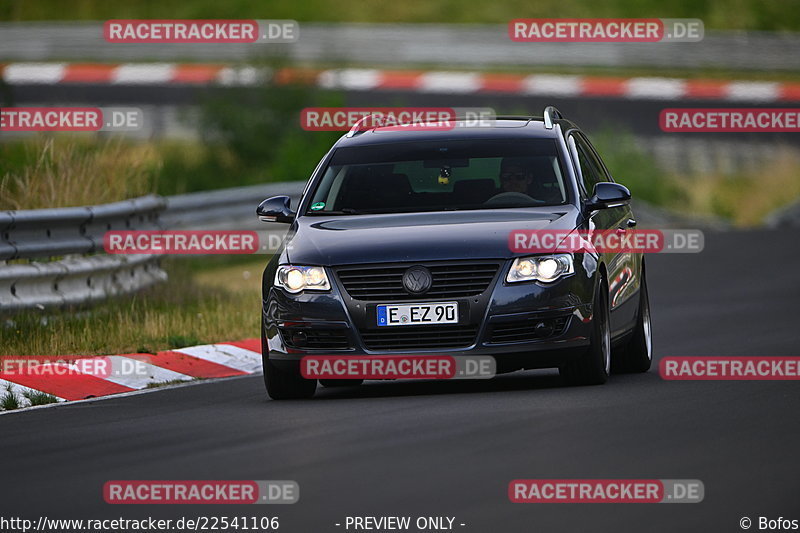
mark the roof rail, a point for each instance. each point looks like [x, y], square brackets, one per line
[357, 127]
[551, 114]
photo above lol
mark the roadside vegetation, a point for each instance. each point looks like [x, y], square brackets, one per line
[249, 136]
[743, 199]
[206, 300]
[775, 15]
[66, 171]
[39, 397]
[10, 401]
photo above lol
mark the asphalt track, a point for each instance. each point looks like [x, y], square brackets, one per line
[451, 448]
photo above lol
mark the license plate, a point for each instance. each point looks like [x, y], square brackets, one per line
[418, 314]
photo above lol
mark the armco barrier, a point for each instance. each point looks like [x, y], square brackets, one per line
[72, 230]
[53, 257]
[233, 207]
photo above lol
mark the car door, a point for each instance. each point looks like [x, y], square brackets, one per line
[622, 267]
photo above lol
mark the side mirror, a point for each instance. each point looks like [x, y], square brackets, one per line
[276, 209]
[607, 195]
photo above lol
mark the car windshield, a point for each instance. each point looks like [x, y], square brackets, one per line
[440, 176]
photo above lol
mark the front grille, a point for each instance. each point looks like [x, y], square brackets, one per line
[315, 338]
[424, 337]
[374, 283]
[527, 330]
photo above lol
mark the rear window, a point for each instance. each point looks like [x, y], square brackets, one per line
[441, 176]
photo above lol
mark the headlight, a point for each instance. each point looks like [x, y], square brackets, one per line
[302, 278]
[544, 268]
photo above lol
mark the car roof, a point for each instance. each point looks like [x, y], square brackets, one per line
[504, 127]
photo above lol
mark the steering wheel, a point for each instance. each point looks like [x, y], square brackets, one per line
[511, 197]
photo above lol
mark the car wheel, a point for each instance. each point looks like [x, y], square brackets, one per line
[284, 383]
[287, 384]
[636, 354]
[332, 383]
[593, 367]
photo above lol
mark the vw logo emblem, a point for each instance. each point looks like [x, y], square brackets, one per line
[417, 280]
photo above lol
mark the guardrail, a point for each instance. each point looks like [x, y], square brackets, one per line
[233, 207]
[52, 257]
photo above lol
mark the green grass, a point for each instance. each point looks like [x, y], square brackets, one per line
[50, 171]
[181, 341]
[717, 14]
[743, 199]
[636, 170]
[257, 138]
[8, 400]
[39, 397]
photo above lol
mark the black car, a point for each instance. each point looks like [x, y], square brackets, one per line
[394, 217]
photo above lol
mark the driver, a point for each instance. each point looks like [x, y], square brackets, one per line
[515, 175]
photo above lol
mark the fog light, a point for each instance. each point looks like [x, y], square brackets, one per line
[299, 338]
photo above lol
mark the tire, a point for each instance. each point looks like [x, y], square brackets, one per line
[332, 383]
[636, 355]
[593, 367]
[284, 384]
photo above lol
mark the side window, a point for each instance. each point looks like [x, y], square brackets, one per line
[592, 170]
[590, 150]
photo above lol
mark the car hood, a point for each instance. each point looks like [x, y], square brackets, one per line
[342, 240]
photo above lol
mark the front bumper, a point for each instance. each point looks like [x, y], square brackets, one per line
[524, 325]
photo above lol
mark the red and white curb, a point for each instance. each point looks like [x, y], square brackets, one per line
[445, 82]
[75, 380]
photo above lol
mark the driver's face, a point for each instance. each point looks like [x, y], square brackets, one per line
[514, 179]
